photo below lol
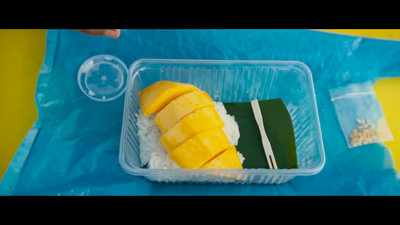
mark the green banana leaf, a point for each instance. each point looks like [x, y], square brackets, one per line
[278, 126]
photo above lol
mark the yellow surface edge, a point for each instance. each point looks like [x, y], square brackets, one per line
[392, 34]
[388, 92]
[21, 56]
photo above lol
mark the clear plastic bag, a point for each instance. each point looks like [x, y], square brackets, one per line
[360, 115]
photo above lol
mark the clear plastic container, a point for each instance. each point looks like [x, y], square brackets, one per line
[229, 81]
[103, 78]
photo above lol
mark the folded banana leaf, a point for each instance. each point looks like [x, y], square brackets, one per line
[278, 126]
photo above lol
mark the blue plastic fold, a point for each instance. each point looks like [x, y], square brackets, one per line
[73, 148]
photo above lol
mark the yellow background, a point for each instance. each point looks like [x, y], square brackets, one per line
[21, 56]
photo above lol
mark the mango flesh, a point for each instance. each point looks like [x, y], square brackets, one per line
[156, 96]
[200, 149]
[192, 124]
[180, 107]
[229, 159]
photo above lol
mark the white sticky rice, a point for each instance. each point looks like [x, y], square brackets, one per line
[152, 153]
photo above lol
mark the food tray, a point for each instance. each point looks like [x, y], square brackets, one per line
[229, 81]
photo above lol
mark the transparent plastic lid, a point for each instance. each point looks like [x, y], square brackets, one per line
[103, 77]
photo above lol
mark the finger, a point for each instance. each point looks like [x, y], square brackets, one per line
[112, 33]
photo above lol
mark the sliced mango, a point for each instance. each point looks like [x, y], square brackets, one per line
[180, 107]
[229, 159]
[200, 149]
[156, 96]
[192, 124]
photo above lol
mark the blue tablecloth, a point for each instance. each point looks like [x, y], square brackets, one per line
[73, 147]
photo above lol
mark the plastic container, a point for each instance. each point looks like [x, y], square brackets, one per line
[103, 78]
[229, 81]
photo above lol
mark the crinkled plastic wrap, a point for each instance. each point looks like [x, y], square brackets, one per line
[73, 148]
[360, 115]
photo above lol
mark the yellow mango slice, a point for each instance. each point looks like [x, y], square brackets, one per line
[180, 107]
[200, 149]
[156, 96]
[192, 124]
[228, 159]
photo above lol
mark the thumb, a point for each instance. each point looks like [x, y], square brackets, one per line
[112, 33]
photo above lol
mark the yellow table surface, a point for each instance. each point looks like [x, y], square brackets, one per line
[21, 56]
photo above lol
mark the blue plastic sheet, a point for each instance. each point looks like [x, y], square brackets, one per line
[73, 147]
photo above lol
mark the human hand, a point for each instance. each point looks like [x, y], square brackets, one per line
[112, 33]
